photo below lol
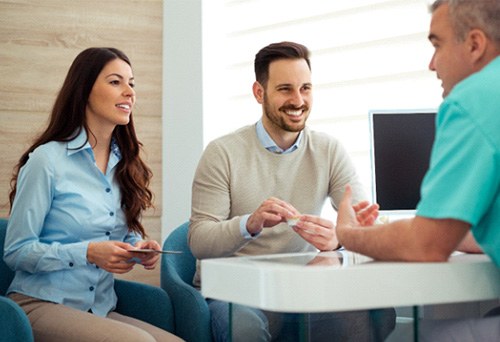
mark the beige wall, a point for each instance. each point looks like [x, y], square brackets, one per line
[38, 42]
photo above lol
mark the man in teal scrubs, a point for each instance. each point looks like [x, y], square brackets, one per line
[461, 190]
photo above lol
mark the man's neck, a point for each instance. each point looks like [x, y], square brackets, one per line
[284, 139]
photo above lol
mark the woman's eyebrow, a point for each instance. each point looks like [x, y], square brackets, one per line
[119, 76]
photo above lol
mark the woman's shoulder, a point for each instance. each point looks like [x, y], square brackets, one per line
[49, 152]
[51, 147]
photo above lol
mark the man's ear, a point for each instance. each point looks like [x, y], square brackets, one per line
[258, 92]
[477, 43]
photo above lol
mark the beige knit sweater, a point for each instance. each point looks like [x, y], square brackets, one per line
[236, 174]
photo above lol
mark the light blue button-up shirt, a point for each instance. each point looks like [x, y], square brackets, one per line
[63, 202]
[269, 144]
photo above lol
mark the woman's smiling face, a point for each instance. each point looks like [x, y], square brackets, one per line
[112, 97]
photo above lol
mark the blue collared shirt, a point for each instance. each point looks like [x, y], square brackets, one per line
[266, 141]
[63, 202]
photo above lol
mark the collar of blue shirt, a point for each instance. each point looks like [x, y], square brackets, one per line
[266, 140]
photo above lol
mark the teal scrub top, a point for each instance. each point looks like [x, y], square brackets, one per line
[463, 180]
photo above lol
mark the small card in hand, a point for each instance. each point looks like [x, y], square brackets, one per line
[149, 250]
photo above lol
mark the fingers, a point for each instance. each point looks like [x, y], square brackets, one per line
[114, 256]
[315, 224]
[119, 268]
[149, 260]
[366, 213]
[317, 231]
[279, 207]
[346, 199]
[271, 212]
[346, 214]
[361, 205]
[150, 263]
[368, 216]
[148, 244]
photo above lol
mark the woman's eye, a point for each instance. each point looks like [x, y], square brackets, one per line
[114, 82]
[132, 85]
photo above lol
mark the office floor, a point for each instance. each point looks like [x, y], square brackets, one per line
[404, 322]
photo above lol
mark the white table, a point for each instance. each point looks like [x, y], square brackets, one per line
[343, 280]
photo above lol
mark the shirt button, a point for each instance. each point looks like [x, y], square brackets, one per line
[108, 189]
[108, 233]
[91, 288]
[71, 264]
[111, 213]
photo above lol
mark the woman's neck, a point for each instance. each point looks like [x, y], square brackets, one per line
[100, 142]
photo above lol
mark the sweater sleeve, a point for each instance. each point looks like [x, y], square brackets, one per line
[212, 233]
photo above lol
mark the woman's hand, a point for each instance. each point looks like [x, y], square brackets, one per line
[112, 256]
[148, 260]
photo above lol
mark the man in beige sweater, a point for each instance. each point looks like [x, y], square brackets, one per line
[248, 183]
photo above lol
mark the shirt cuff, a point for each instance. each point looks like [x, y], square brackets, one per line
[243, 228]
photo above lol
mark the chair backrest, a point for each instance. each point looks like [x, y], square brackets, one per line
[184, 265]
[6, 274]
[191, 313]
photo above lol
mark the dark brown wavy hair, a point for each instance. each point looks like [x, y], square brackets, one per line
[68, 119]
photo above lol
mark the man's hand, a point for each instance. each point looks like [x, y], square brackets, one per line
[318, 232]
[350, 216]
[321, 233]
[271, 212]
[366, 213]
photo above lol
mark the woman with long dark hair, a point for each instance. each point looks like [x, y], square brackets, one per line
[76, 202]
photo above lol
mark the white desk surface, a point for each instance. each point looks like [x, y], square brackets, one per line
[346, 281]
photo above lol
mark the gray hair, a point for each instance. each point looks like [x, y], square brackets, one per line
[466, 15]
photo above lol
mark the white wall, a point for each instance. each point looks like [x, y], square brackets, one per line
[182, 107]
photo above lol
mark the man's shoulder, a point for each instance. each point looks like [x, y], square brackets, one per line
[238, 136]
[318, 138]
[481, 83]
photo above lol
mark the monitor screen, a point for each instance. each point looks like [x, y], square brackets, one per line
[401, 143]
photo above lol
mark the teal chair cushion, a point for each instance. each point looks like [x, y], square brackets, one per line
[14, 325]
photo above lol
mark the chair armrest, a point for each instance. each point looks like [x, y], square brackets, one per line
[14, 324]
[192, 316]
[145, 302]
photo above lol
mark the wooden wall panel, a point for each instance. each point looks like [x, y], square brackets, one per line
[38, 42]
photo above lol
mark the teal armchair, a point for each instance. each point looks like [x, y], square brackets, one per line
[142, 301]
[14, 324]
[192, 317]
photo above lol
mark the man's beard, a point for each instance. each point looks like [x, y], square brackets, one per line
[279, 120]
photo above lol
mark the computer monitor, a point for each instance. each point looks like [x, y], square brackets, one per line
[401, 142]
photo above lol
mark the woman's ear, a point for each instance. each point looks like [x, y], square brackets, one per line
[258, 92]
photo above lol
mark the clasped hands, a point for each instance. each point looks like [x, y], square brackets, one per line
[319, 232]
[118, 257]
